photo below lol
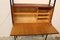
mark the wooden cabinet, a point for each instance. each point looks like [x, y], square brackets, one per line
[32, 13]
[32, 19]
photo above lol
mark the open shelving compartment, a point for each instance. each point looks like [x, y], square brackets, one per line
[32, 13]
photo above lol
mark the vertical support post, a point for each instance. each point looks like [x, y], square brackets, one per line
[15, 37]
[46, 37]
[12, 2]
[49, 2]
[53, 7]
[54, 3]
[11, 8]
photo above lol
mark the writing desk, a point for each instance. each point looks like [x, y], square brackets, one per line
[28, 29]
[33, 28]
[32, 19]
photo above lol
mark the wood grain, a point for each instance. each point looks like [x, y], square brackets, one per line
[32, 19]
[33, 29]
[33, 5]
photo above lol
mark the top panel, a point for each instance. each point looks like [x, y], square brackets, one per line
[32, 5]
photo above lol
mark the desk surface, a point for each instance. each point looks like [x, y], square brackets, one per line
[33, 28]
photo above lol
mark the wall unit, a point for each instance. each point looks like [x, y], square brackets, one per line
[32, 19]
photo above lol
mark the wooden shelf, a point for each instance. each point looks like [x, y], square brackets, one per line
[24, 13]
[31, 13]
[31, 8]
[33, 5]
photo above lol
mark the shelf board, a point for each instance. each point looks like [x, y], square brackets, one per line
[22, 13]
[41, 8]
[32, 5]
[42, 16]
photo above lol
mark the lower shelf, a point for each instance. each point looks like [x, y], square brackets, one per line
[30, 20]
[25, 20]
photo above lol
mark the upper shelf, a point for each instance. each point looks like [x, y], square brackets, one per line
[33, 5]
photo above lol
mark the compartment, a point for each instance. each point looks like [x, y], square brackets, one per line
[44, 9]
[43, 21]
[24, 19]
[31, 13]
[25, 9]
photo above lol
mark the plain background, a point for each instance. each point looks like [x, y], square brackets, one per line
[6, 20]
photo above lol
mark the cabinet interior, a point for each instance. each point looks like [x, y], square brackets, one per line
[23, 13]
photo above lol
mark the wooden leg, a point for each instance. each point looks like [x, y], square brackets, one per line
[15, 37]
[46, 37]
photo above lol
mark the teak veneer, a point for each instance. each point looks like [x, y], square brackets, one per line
[22, 29]
[32, 19]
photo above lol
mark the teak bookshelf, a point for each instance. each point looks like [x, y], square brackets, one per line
[32, 19]
[32, 13]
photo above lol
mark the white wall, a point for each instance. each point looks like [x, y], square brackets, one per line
[32, 1]
[5, 15]
[56, 17]
[5, 18]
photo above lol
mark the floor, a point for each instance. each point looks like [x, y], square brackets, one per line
[29, 38]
